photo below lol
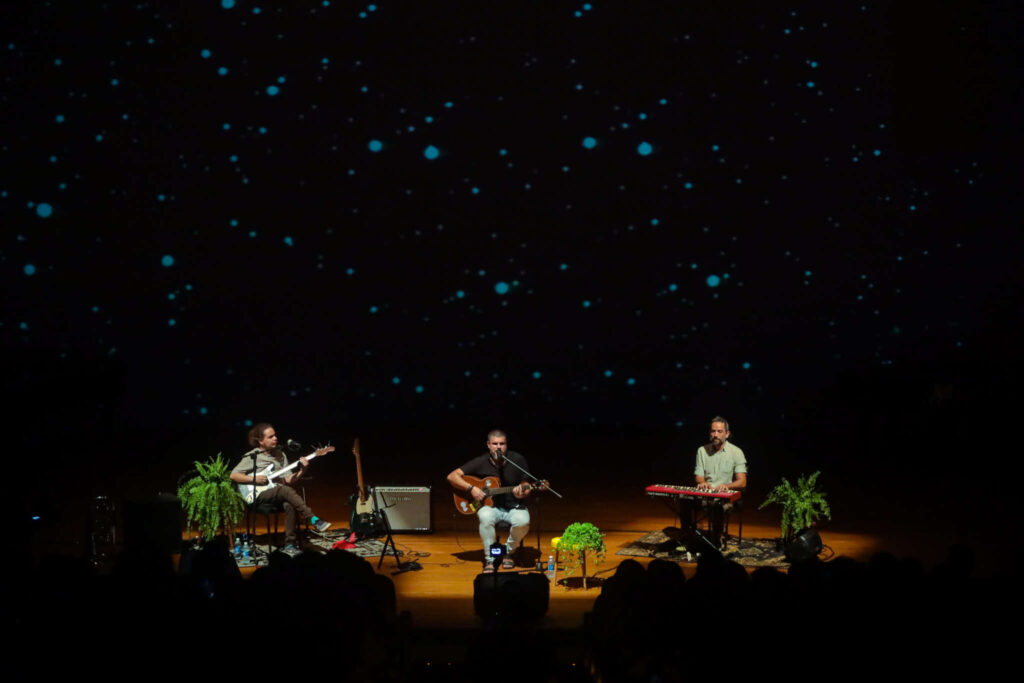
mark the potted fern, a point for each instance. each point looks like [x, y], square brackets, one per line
[802, 504]
[576, 541]
[210, 500]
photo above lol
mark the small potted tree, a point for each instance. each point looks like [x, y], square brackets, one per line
[211, 502]
[576, 541]
[802, 504]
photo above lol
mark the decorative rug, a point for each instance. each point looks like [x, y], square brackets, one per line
[367, 547]
[754, 552]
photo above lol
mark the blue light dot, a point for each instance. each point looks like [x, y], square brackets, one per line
[501, 288]
[205, 54]
[167, 261]
[419, 389]
[431, 152]
[810, 84]
[460, 294]
[252, 233]
[350, 271]
[688, 186]
[589, 142]
[44, 210]
[642, 116]
[375, 145]
[673, 287]
[372, 8]
[654, 221]
[263, 130]
[29, 269]
[247, 423]
[630, 381]
[807, 273]
[913, 207]
[233, 222]
[396, 380]
[171, 296]
[713, 280]
[227, 4]
[288, 240]
[475, 190]
[60, 118]
[502, 152]
[448, 105]
[114, 81]
[644, 148]
[607, 373]
[586, 303]
[564, 266]
[373, 309]
[428, 119]
[814, 65]
[536, 374]
[223, 71]
[203, 410]
[233, 158]
[172, 322]
[877, 152]
[23, 326]
[587, 6]
[272, 90]
[746, 366]
[226, 126]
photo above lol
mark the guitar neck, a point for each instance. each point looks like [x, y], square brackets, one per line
[278, 473]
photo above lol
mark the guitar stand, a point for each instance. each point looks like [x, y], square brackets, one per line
[402, 567]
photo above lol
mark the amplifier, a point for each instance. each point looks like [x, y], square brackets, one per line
[408, 507]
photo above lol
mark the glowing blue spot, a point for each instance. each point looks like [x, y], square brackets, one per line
[36, 518]
[161, 197]
[644, 148]
[53, 159]
[252, 233]
[411, 128]
[431, 152]
[263, 130]
[57, 62]
[642, 116]
[365, 88]
[288, 241]
[60, 118]
[536, 374]
[501, 288]
[654, 221]
[223, 71]
[586, 303]
[419, 389]
[205, 54]
[428, 119]
[481, 272]
[372, 8]
[227, 4]
[565, 169]
[272, 90]
[226, 126]
[396, 380]
[589, 142]
[448, 105]
[579, 86]
[564, 266]
[814, 65]
[502, 152]
[714, 148]
[171, 296]
[23, 326]
[693, 266]
[913, 207]
[247, 423]
[29, 269]
[373, 309]
[188, 288]
[172, 322]
[810, 84]
[167, 261]
[280, 79]
[375, 145]
[233, 222]
[203, 410]
[630, 381]
[460, 294]
[877, 152]
[325, 61]
[587, 6]
[713, 280]
[95, 309]
[688, 186]
[114, 81]
[233, 158]
[807, 273]
[44, 210]
[607, 373]
[746, 366]
[663, 101]
[578, 13]
[350, 271]
[475, 190]
[673, 287]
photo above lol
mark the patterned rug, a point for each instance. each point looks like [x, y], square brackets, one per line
[755, 552]
[369, 547]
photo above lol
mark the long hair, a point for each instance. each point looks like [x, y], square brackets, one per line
[256, 433]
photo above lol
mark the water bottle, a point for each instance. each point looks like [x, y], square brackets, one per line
[238, 545]
[245, 549]
[551, 568]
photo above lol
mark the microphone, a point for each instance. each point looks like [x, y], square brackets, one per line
[292, 445]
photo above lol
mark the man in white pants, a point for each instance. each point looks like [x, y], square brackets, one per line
[508, 507]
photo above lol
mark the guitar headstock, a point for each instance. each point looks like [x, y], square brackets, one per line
[355, 447]
[541, 485]
[324, 450]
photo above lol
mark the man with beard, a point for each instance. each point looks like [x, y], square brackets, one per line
[721, 466]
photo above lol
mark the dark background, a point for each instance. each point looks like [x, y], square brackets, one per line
[805, 219]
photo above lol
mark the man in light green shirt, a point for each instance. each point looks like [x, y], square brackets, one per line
[721, 466]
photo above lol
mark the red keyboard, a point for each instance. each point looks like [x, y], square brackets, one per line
[668, 490]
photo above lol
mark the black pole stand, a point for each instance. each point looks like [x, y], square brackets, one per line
[541, 566]
[402, 567]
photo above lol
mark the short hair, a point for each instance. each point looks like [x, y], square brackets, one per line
[719, 418]
[494, 433]
[256, 433]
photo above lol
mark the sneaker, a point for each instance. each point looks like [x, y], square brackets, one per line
[321, 525]
[291, 550]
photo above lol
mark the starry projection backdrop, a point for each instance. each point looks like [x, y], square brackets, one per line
[557, 213]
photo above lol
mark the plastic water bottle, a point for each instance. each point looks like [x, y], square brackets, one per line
[245, 549]
[551, 568]
[238, 545]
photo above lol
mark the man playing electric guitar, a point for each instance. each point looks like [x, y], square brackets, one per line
[266, 452]
[508, 507]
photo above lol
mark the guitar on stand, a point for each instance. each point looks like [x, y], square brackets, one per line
[250, 492]
[364, 520]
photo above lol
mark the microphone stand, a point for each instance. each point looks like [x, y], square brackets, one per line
[540, 557]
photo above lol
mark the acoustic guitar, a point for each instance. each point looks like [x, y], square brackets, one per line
[491, 486]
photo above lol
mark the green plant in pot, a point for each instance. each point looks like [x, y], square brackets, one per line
[211, 502]
[802, 504]
[576, 541]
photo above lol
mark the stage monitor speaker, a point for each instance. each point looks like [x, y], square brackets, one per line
[806, 545]
[518, 596]
[408, 507]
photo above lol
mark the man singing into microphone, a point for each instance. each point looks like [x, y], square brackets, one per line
[266, 452]
[508, 507]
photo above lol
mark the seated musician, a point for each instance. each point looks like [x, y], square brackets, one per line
[266, 452]
[721, 466]
[508, 507]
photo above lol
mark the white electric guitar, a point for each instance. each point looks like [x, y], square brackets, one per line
[250, 492]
